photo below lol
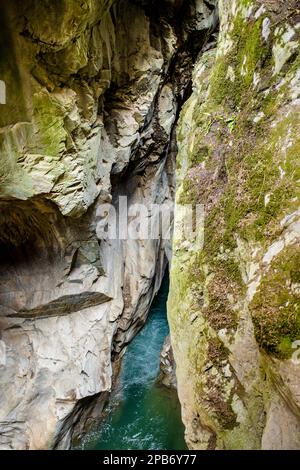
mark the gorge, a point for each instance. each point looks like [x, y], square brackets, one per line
[142, 413]
[189, 101]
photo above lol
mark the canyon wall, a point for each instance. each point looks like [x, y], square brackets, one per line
[90, 93]
[234, 305]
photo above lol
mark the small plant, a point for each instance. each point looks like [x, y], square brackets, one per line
[231, 123]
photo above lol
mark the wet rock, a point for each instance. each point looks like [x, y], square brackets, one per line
[167, 374]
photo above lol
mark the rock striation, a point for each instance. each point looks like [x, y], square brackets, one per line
[90, 95]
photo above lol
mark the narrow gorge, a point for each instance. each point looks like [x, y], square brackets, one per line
[110, 108]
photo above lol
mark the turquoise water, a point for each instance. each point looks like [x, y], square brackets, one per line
[142, 415]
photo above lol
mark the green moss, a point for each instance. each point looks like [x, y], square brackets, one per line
[275, 307]
[199, 154]
[248, 179]
[17, 81]
[242, 207]
[261, 170]
[187, 194]
[49, 121]
[249, 53]
[258, 166]
[266, 172]
[246, 3]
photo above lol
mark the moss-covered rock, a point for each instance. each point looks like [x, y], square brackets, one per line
[239, 156]
[275, 307]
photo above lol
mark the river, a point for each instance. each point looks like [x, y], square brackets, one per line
[142, 415]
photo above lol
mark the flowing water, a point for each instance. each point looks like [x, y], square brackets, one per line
[142, 415]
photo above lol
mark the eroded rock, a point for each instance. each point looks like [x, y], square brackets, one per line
[92, 93]
[234, 303]
[167, 374]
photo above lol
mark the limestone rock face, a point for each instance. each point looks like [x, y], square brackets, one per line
[167, 373]
[234, 305]
[90, 93]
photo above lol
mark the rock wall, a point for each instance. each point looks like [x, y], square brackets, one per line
[90, 93]
[234, 306]
[167, 366]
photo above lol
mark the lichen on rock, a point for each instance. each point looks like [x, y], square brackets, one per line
[92, 92]
[95, 96]
[234, 306]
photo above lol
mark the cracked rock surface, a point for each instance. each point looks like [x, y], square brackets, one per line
[93, 90]
[234, 303]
